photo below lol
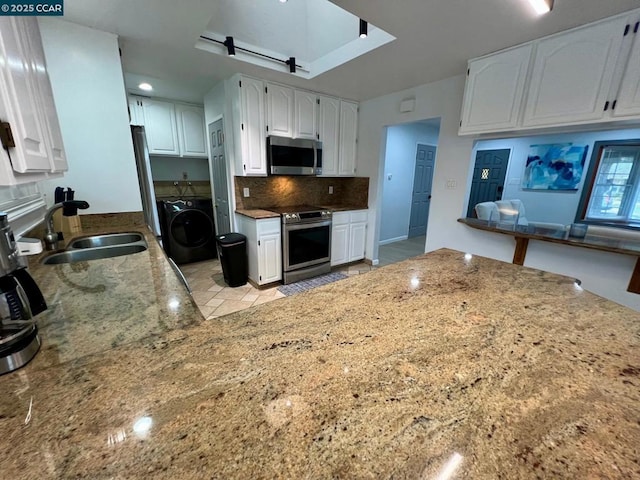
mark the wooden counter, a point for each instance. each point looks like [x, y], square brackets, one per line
[524, 233]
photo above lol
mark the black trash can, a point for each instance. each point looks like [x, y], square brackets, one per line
[232, 252]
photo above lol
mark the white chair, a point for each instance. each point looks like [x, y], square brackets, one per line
[487, 211]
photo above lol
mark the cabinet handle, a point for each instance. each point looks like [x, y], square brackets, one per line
[606, 105]
[626, 30]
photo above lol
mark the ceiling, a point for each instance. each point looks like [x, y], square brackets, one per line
[434, 40]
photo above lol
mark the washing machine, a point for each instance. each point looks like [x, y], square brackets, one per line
[187, 229]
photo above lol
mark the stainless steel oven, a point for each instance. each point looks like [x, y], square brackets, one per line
[306, 243]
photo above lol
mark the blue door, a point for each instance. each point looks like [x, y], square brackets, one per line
[488, 177]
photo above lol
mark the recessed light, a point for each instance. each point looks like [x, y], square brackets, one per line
[541, 6]
[283, 1]
[145, 86]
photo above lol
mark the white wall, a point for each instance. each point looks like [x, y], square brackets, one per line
[604, 273]
[88, 88]
[547, 206]
[399, 163]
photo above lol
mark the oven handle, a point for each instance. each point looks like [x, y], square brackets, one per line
[301, 226]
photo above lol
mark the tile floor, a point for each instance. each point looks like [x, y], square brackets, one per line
[214, 298]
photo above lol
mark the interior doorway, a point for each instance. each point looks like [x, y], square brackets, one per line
[489, 173]
[409, 161]
[219, 177]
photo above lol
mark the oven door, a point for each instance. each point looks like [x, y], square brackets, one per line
[306, 244]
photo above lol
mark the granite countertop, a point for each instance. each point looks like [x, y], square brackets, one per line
[260, 213]
[440, 363]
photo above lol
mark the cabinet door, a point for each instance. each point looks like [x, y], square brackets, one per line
[572, 74]
[270, 258]
[628, 99]
[348, 138]
[253, 139]
[305, 115]
[357, 238]
[20, 96]
[191, 132]
[329, 133]
[339, 244]
[136, 115]
[494, 89]
[160, 127]
[279, 110]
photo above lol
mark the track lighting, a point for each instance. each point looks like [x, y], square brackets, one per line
[363, 28]
[542, 6]
[231, 49]
[292, 64]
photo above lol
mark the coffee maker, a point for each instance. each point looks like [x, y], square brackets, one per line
[20, 301]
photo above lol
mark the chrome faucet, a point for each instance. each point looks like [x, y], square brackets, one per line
[51, 237]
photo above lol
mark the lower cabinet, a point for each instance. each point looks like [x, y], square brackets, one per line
[264, 249]
[348, 236]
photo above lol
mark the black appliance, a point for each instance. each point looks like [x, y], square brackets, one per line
[187, 229]
[294, 156]
[306, 242]
[20, 301]
[232, 252]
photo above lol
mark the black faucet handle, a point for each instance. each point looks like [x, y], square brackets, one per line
[70, 207]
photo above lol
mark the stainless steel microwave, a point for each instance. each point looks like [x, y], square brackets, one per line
[294, 156]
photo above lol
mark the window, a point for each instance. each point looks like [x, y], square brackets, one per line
[611, 193]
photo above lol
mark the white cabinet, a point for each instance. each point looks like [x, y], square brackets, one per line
[348, 236]
[338, 130]
[348, 138]
[494, 91]
[160, 127]
[136, 115]
[329, 133]
[27, 104]
[572, 74]
[264, 249]
[191, 134]
[280, 101]
[305, 115]
[253, 147]
[628, 99]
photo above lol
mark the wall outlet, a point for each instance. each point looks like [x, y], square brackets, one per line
[185, 175]
[451, 184]
[330, 190]
[245, 192]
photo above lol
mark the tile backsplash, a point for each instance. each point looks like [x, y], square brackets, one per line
[282, 191]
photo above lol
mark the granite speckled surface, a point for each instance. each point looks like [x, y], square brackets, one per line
[486, 368]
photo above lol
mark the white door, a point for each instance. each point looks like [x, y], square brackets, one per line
[270, 258]
[254, 148]
[279, 110]
[20, 92]
[628, 100]
[572, 74]
[329, 130]
[357, 237]
[306, 115]
[160, 127]
[493, 92]
[348, 138]
[191, 131]
[339, 244]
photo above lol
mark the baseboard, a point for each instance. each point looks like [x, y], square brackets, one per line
[393, 240]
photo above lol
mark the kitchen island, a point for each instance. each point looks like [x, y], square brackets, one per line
[441, 363]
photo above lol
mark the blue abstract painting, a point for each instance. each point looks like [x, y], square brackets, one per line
[555, 166]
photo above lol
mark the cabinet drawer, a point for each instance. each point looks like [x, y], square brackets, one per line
[359, 216]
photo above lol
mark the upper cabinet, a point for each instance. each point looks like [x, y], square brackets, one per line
[259, 109]
[279, 110]
[338, 129]
[305, 115]
[27, 105]
[586, 75]
[172, 129]
[572, 73]
[494, 90]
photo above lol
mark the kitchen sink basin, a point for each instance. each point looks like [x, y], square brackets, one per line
[106, 240]
[99, 246]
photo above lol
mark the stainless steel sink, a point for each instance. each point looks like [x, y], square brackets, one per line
[106, 240]
[99, 246]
